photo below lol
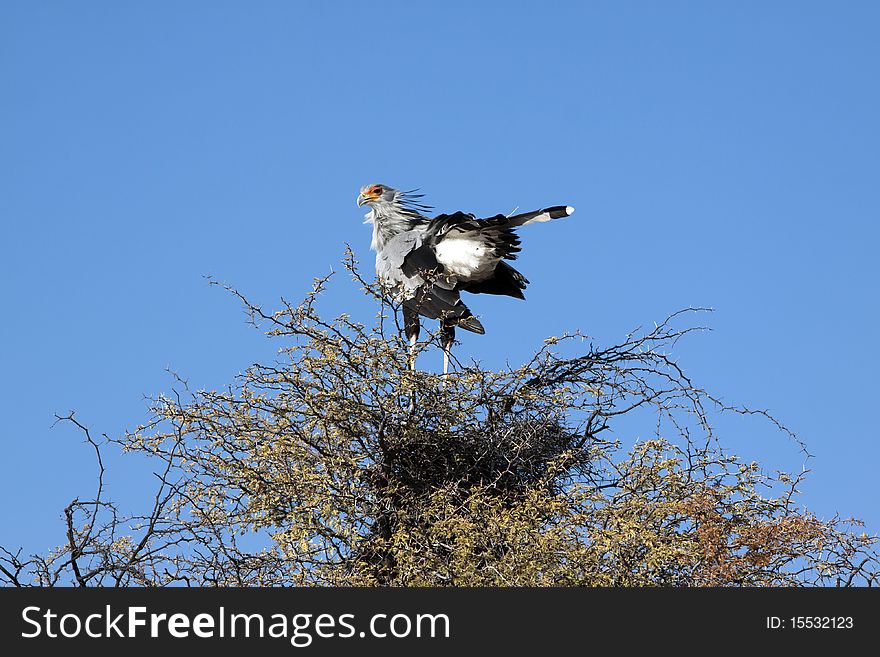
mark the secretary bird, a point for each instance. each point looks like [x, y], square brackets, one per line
[427, 262]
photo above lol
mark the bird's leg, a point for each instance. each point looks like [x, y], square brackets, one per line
[447, 337]
[413, 341]
[411, 327]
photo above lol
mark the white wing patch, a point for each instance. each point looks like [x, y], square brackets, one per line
[466, 257]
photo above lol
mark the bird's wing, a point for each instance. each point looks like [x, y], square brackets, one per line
[427, 287]
[404, 262]
[421, 261]
[471, 248]
[464, 248]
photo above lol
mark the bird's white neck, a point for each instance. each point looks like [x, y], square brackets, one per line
[388, 220]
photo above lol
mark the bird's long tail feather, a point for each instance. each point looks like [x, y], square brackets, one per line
[537, 216]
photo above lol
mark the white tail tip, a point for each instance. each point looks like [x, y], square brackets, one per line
[569, 210]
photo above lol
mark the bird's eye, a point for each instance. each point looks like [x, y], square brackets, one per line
[376, 190]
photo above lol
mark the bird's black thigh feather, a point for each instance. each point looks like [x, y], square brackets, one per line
[447, 334]
[411, 324]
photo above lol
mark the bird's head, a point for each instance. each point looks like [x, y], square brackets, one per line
[371, 194]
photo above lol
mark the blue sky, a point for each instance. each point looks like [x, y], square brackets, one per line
[719, 154]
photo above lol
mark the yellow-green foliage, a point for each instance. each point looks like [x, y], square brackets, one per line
[337, 465]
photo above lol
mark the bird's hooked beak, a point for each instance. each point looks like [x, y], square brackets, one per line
[361, 200]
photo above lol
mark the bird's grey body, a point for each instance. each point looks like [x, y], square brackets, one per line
[427, 263]
[390, 256]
